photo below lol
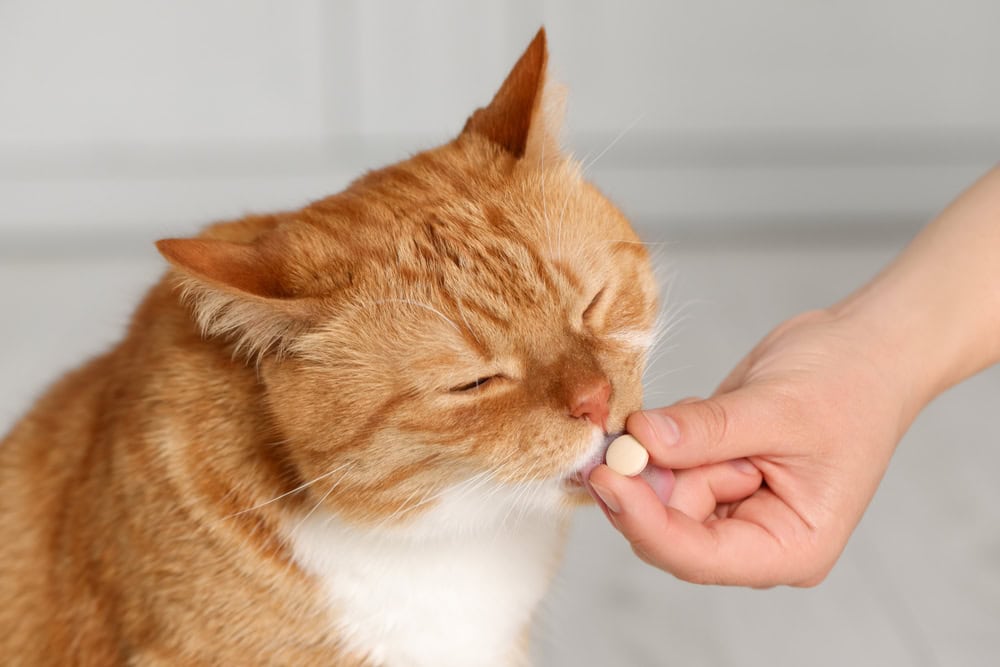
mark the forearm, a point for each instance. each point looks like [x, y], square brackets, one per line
[933, 315]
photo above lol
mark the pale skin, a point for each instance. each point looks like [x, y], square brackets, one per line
[774, 470]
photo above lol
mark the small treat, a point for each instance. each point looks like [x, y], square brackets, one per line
[626, 456]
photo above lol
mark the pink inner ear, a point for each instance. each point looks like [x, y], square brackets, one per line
[236, 266]
[507, 120]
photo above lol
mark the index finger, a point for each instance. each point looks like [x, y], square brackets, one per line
[743, 423]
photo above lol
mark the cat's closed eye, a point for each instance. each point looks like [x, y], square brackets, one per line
[475, 384]
[589, 311]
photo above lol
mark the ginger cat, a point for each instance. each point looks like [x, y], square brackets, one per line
[350, 434]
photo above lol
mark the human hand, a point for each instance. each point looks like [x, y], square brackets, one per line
[774, 471]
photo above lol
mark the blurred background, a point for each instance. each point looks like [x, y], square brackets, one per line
[775, 154]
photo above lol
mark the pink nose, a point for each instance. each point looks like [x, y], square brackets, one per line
[590, 402]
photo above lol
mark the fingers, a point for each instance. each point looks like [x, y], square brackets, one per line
[742, 550]
[728, 426]
[698, 491]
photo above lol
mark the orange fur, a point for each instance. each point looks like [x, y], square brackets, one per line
[137, 507]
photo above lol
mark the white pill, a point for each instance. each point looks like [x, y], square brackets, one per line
[626, 456]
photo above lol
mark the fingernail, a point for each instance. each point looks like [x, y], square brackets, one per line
[665, 428]
[744, 465]
[607, 498]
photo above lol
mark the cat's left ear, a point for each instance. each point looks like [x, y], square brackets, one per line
[237, 291]
[525, 116]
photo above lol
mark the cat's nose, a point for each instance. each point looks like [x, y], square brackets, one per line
[590, 401]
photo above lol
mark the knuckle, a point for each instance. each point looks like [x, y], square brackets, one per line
[688, 399]
[643, 555]
[715, 422]
[816, 575]
[700, 577]
[645, 552]
[813, 580]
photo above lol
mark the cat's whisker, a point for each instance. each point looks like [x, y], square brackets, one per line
[479, 480]
[668, 329]
[461, 313]
[524, 500]
[493, 475]
[663, 348]
[658, 392]
[614, 141]
[317, 505]
[497, 488]
[514, 488]
[660, 354]
[545, 208]
[562, 215]
[669, 320]
[463, 488]
[661, 342]
[288, 493]
[648, 244]
[520, 487]
[530, 501]
[409, 507]
[665, 373]
[403, 508]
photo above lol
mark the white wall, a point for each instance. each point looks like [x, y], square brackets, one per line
[129, 120]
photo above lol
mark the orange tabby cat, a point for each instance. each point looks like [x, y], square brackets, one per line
[349, 434]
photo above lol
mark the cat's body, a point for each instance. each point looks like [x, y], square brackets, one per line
[159, 555]
[352, 437]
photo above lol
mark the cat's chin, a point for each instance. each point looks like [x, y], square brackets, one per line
[577, 490]
[576, 484]
[577, 481]
[576, 494]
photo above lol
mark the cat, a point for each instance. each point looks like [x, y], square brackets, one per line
[350, 434]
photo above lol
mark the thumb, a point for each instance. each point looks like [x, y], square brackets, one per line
[734, 425]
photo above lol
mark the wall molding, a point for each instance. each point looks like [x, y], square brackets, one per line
[705, 183]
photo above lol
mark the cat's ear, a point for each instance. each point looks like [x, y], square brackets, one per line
[525, 116]
[236, 291]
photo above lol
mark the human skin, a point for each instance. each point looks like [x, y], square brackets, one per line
[776, 468]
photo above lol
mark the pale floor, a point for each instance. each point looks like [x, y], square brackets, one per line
[919, 583]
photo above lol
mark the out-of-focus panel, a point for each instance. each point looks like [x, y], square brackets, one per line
[160, 71]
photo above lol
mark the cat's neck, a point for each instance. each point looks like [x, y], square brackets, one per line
[394, 595]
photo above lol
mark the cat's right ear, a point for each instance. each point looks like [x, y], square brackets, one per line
[237, 291]
[525, 116]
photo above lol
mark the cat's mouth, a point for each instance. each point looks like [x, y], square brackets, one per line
[578, 479]
[661, 480]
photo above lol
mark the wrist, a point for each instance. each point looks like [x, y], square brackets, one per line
[932, 317]
[907, 356]
[925, 332]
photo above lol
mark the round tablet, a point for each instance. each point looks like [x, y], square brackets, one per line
[626, 456]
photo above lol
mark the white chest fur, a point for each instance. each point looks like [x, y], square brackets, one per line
[455, 587]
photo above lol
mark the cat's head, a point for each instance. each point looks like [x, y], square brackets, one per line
[475, 317]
